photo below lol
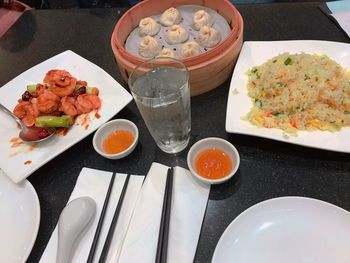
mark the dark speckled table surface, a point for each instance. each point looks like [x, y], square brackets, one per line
[268, 168]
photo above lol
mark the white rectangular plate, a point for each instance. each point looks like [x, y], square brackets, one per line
[255, 53]
[19, 162]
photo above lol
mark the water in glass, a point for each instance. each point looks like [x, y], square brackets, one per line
[165, 107]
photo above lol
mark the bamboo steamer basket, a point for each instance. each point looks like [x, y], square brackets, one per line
[207, 70]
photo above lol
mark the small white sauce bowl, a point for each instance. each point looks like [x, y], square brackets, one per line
[210, 143]
[111, 126]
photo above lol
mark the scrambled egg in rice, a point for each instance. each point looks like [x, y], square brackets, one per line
[299, 92]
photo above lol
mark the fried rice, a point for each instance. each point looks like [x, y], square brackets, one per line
[299, 92]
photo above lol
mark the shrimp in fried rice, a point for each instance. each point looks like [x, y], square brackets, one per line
[60, 82]
[47, 102]
[67, 105]
[87, 102]
[27, 112]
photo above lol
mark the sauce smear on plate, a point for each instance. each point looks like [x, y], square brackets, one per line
[213, 164]
[118, 141]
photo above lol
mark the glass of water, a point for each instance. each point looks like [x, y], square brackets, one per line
[160, 88]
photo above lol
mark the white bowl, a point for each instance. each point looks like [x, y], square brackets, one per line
[106, 129]
[210, 143]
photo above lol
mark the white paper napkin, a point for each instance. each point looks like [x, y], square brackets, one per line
[94, 183]
[340, 11]
[343, 19]
[187, 211]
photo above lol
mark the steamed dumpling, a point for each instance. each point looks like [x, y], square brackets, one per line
[189, 49]
[201, 18]
[149, 47]
[166, 52]
[208, 37]
[148, 26]
[176, 35]
[170, 17]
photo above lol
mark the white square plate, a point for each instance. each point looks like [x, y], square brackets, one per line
[19, 162]
[255, 53]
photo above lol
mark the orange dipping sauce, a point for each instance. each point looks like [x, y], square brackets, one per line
[118, 141]
[213, 164]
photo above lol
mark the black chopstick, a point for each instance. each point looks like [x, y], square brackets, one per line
[108, 240]
[100, 222]
[162, 247]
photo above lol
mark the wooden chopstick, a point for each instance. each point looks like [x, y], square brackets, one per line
[109, 237]
[100, 221]
[162, 247]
